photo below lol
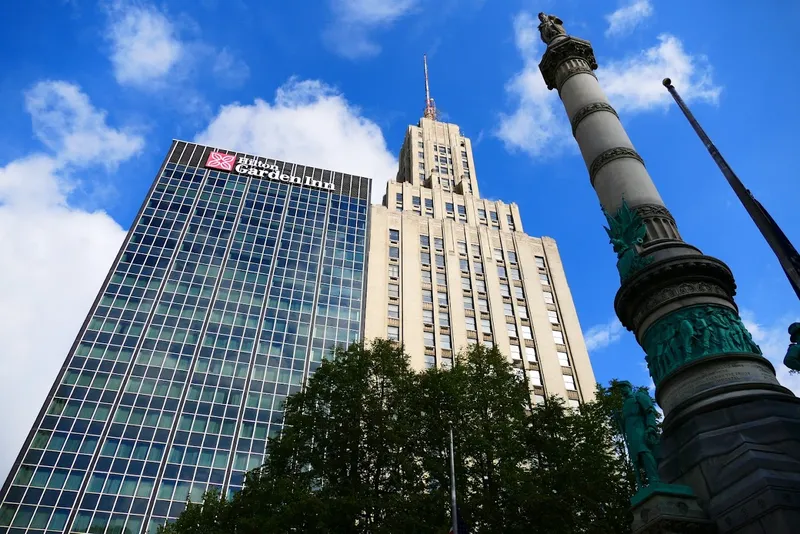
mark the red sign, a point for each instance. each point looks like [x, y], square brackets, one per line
[223, 162]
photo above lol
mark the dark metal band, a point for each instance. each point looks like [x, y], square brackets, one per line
[609, 156]
[588, 110]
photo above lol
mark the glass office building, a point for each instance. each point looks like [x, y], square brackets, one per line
[237, 276]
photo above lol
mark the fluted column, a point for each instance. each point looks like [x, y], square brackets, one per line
[717, 391]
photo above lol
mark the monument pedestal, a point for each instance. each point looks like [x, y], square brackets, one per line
[668, 509]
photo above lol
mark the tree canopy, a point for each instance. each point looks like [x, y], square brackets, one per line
[365, 449]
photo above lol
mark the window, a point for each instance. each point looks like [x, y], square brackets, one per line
[563, 359]
[463, 265]
[515, 273]
[544, 279]
[444, 318]
[442, 298]
[476, 250]
[438, 243]
[526, 332]
[480, 286]
[394, 252]
[512, 257]
[574, 403]
[462, 247]
[427, 295]
[415, 201]
[512, 330]
[462, 211]
[538, 399]
[394, 270]
[424, 241]
[548, 297]
[393, 332]
[465, 284]
[441, 279]
[447, 363]
[553, 316]
[483, 305]
[515, 354]
[510, 221]
[394, 290]
[421, 155]
[399, 198]
[448, 207]
[470, 322]
[430, 361]
[498, 254]
[426, 277]
[394, 311]
[523, 312]
[445, 341]
[518, 292]
[427, 317]
[394, 235]
[440, 261]
[493, 216]
[468, 304]
[427, 338]
[534, 378]
[421, 175]
[505, 290]
[539, 262]
[558, 337]
[478, 267]
[501, 272]
[425, 258]
[482, 213]
[569, 382]
[421, 166]
[530, 354]
[507, 309]
[429, 204]
[486, 326]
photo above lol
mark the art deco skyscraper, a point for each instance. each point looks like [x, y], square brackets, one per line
[448, 268]
[237, 275]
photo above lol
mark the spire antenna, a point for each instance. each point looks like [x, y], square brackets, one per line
[430, 105]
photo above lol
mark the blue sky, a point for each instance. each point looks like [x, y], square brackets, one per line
[94, 91]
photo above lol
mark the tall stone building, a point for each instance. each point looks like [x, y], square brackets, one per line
[448, 268]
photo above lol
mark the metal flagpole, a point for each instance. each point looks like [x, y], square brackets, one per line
[777, 240]
[454, 511]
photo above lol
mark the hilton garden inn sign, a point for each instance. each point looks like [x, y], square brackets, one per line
[260, 168]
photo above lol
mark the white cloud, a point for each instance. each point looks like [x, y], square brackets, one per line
[625, 19]
[538, 124]
[634, 84]
[145, 45]
[310, 123]
[149, 52]
[600, 336]
[349, 34]
[55, 255]
[774, 340]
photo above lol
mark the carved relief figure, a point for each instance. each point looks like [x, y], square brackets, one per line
[792, 359]
[639, 425]
[550, 27]
[693, 333]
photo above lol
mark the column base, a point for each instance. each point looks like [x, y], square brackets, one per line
[668, 509]
[741, 456]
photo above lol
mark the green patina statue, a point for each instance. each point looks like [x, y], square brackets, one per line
[640, 427]
[692, 333]
[626, 231]
[792, 359]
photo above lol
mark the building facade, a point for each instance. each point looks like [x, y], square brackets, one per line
[237, 275]
[448, 268]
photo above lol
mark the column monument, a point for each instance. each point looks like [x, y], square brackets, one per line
[731, 432]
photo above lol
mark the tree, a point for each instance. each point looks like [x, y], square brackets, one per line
[365, 449]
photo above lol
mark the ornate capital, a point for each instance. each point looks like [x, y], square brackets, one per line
[568, 48]
[689, 334]
[610, 155]
[659, 222]
[588, 110]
